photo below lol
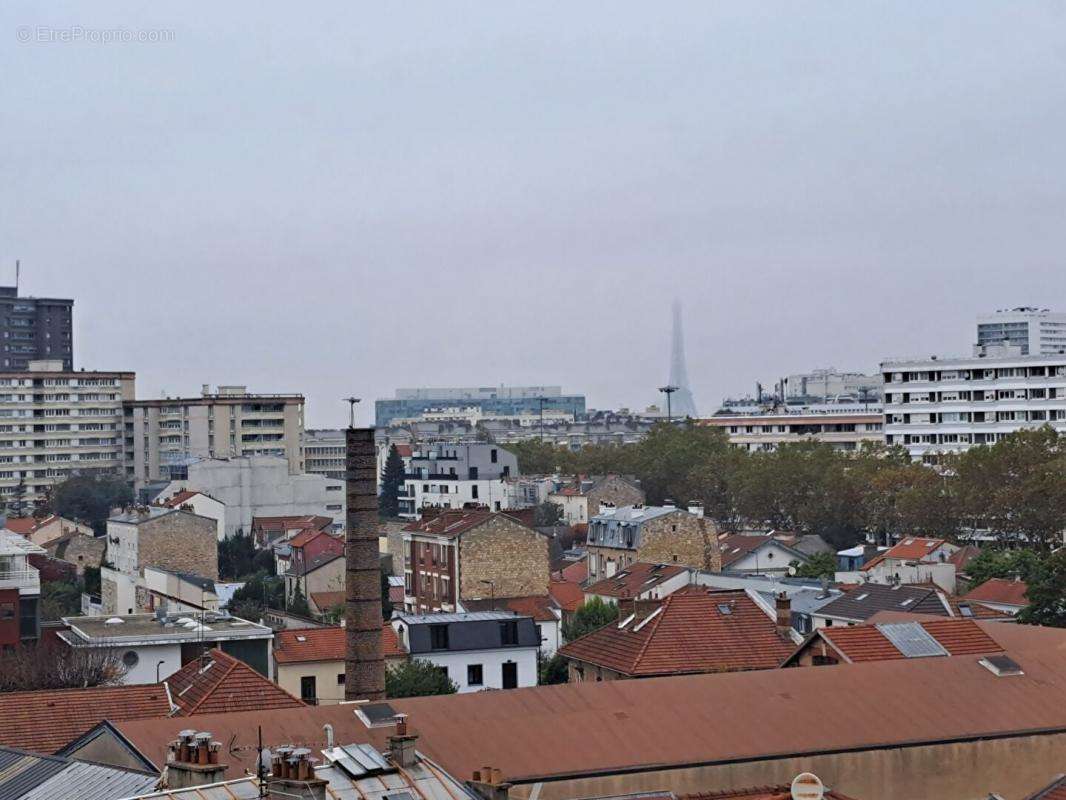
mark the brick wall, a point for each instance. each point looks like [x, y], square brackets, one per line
[180, 542]
[614, 489]
[506, 552]
[680, 538]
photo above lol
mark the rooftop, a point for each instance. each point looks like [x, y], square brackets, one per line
[147, 628]
[1000, 591]
[865, 600]
[218, 683]
[452, 523]
[326, 644]
[476, 616]
[738, 545]
[912, 548]
[540, 608]
[910, 639]
[567, 595]
[695, 631]
[31, 776]
[726, 718]
[759, 793]
[14, 544]
[634, 579]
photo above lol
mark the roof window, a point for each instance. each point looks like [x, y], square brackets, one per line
[1001, 666]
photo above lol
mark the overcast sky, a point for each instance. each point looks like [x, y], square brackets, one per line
[339, 198]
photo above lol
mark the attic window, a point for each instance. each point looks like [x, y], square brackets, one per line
[862, 596]
[965, 610]
[725, 608]
[1001, 666]
[301, 638]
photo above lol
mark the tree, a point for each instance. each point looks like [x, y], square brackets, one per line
[91, 579]
[591, 616]
[392, 482]
[820, 565]
[386, 603]
[1046, 593]
[56, 666]
[260, 592]
[418, 678]
[238, 557]
[1023, 563]
[90, 496]
[552, 670]
[298, 601]
[17, 504]
[547, 515]
[60, 599]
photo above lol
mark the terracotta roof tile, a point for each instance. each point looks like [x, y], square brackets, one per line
[758, 793]
[291, 523]
[179, 498]
[1056, 790]
[868, 643]
[306, 536]
[220, 683]
[912, 548]
[1000, 590]
[634, 579]
[578, 572]
[326, 644]
[691, 632]
[27, 525]
[44, 721]
[327, 600]
[569, 596]
[536, 606]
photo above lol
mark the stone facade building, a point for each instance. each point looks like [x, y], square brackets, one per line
[471, 555]
[622, 536]
[80, 550]
[582, 499]
[163, 537]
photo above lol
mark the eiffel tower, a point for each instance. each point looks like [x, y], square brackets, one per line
[682, 402]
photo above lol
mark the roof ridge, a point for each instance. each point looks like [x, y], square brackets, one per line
[213, 689]
[656, 619]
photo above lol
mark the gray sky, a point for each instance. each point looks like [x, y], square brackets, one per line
[340, 197]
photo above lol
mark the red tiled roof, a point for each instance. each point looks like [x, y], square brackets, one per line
[578, 572]
[1056, 790]
[539, 607]
[27, 525]
[179, 498]
[634, 579]
[220, 683]
[454, 522]
[44, 721]
[867, 643]
[1000, 590]
[305, 536]
[912, 548]
[326, 644]
[963, 556]
[690, 632]
[291, 523]
[404, 450]
[737, 545]
[758, 793]
[569, 596]
[965, 609]
[327, 600]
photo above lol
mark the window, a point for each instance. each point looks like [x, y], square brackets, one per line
[473, 491]
[509, 633]
[493, 456]
[308, 691]
[130, 658]
[438, 637]
[472, 473]
[474, 675]
[340, 679]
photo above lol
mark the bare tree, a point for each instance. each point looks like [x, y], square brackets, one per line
[57, 666]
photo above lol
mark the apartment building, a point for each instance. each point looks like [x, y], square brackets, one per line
[508, 401]
[1037, 331]
[163, 436]
[941, 405]
[769, 431]
[20, 590]
[457, 476]
[35, 328]
[54, 422]
[323, 452]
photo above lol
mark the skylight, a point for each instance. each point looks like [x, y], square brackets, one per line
[725, 608]
[862, 596]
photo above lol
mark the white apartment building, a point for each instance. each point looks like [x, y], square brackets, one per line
[458, 476]
[54, 422]
[164, 436]
[1037, 331]
[769, 431]
[947, 405]
[324, 452]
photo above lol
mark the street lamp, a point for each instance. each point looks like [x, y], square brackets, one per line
[351, 401]
[669, 390]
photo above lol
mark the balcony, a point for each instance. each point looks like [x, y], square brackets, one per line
[27, 580]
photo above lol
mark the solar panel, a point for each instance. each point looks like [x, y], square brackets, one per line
[912, 639]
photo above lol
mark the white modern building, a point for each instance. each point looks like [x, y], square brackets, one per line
[941, 405]
[481, 650]
[324, 452]
[458, 476]
[769, 431]
[1037, 331]
[20, 590]
[153, 648]
[262, 486]
[163, 436]
[54, 422]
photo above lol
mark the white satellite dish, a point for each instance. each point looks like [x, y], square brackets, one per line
[807, 786]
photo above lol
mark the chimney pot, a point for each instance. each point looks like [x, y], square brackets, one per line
[783, 609]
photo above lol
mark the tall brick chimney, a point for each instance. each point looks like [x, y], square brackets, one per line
[364, 666]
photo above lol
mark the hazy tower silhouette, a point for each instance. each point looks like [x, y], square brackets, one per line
[682, 402]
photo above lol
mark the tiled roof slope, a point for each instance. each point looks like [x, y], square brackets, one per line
[1000, 590]
[758, 793]
[220, 683]
[634, 579]
[537, 607]
[1056, 790]
[868, 642]
[866, 599]
[569, 596]
[326, 644]
[691, 632]
[913, 548]
[44, 721]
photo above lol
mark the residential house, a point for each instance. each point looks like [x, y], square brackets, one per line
[759, 554]
[484, 650]
[913, 560]
[805, 595]
[568, 597]
[309, 663]
[170, 538]
[32, 776]
[42, 530]
[316, 563]
[545, 613]
[20, 590]
[687, 632]
[268, 530]
[640, 582]
[861, 602]
[198, 503]
[586, 496]
[945, 728]
[80, 550]
[851, 559]
[471, 555]
[914, 638]
[1001, 594]
[618, 537]
[176, 592]
[154, 647]
[217, 683]
[457, 476]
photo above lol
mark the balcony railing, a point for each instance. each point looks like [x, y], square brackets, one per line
[27, 580]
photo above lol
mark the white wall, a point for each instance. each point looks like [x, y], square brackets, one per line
[771, 558]
[551, 637]
[148, 657]
[491, 666]
[888, 571]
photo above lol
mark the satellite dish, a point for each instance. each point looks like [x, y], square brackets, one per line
[807, 786]
[792, 571]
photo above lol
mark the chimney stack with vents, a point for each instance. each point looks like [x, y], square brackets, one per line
[783, 611]
[193, 760]
[402, 745]
[364, 667]
[292, 776]
[488, 784]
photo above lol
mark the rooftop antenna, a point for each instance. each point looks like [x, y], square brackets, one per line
[18, 268]
[351, 401]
